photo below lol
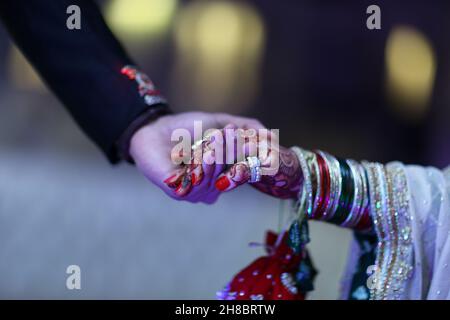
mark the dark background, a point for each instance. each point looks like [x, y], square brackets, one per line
[309, 68]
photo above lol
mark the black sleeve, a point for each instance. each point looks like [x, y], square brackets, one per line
[82, 67]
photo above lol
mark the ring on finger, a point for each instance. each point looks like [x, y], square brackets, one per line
[255, 169]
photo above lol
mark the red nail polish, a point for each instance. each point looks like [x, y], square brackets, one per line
[222, 183]
[193, 179]
[168, 179]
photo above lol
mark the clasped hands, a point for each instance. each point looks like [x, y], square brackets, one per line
[217, 163]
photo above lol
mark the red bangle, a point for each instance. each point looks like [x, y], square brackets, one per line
[324, 188]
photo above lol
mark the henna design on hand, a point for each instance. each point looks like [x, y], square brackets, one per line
[239, 173]
[285, 184]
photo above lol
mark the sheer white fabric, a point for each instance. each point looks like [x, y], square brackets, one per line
[428, 193]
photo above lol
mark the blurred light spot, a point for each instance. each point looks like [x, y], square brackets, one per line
[219, 48]
[20, 72]
[411, 68]
[219, 31]
[140, 19]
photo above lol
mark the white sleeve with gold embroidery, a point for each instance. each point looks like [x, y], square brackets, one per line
[410, 209]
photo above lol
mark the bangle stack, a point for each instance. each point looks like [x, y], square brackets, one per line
[367, 197]
[334, 190]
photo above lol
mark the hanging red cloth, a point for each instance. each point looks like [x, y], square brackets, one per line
[272, 277]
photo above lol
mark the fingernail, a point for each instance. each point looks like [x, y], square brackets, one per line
[168, 179]
[222, 183]
[193, 178]
[177, 189]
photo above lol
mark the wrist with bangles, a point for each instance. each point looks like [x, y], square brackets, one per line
[334, 190]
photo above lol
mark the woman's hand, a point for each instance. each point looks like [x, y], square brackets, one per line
[282, 182]
[280, 167]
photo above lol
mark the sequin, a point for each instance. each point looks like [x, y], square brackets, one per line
[360, 293]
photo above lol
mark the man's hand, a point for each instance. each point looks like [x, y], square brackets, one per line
[151, 148]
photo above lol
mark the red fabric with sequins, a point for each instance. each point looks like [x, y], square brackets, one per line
[268, 278]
